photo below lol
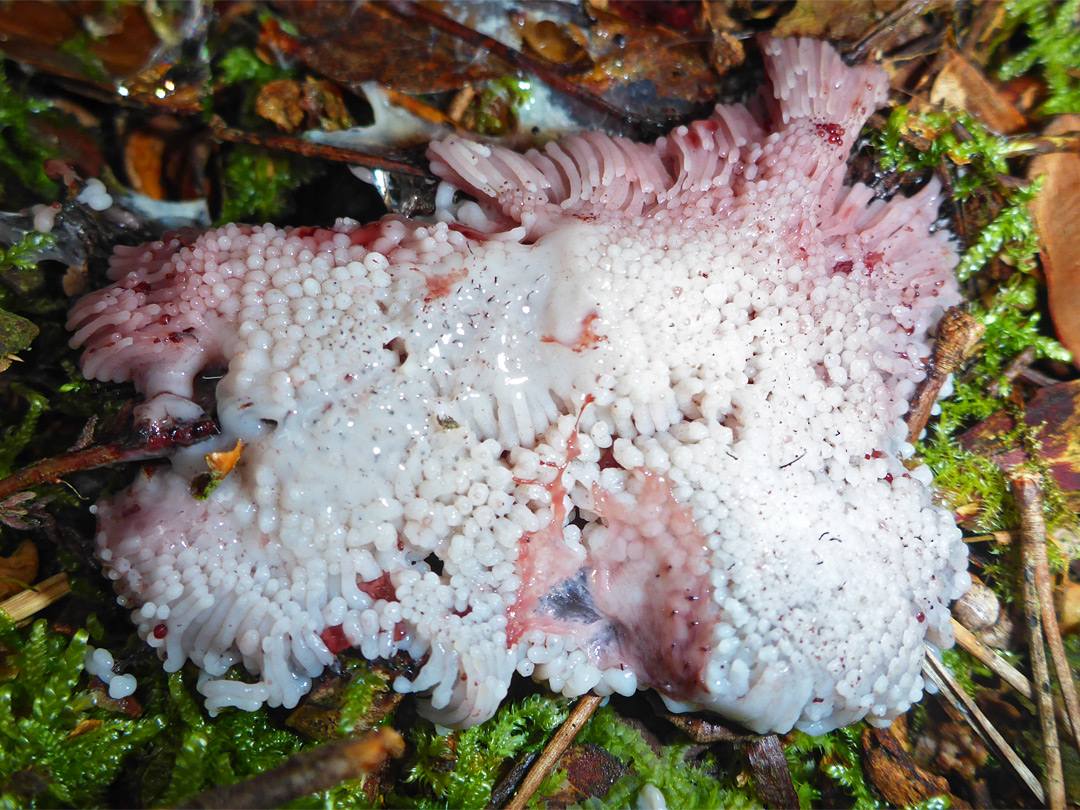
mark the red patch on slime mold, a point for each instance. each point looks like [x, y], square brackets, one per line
[440, 285]
[641, 599]
[381, 588]
[586, 339]
[334, 639]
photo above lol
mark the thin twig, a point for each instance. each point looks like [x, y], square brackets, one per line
[418, 108]
[939, 675]
[1043, 145]
[51, 470]
[1033, 540]
[1012, 371]
[25, 604]
[307, 772]
[553, 751]
[970, 643]
[884, 30]
[1057, 653]
[958, 333]
[1003, 537]
[1027, 491]
[521, 61]
[312, 149]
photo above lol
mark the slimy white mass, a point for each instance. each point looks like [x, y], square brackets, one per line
[630, 416]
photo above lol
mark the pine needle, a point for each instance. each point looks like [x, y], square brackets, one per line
[940, 676]
[553, 751]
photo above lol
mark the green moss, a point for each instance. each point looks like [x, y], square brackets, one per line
[22, 149]
[364, 686]
[241, 64]
[258, 184]
[58, 749]
[23, 255]
[497, 105]
[17, 436]
[16, 335]
[977, 164]
[834, 756]
[683, 783]
[964, 477]
[203, 752]
[983, 154]
[460, 769]
[1054, 32]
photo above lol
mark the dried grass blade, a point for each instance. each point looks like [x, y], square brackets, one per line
[1027, 491]
[553, 751]
[940, 676]
[1003, 669]
[24, 605]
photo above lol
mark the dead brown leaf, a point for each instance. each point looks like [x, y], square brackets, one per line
[705, 728]
[95, 45]
[144, 152]
[281, 101]
[319, 713]
[1057, 211]
[962, 86]
[348, 42]
[772, 774]
[83, 726]
[895, 776]
[625, 53]
[590, 772]
[1069, 610]
[559, 44]
[833, 20]
[1053, 416]
[20, 567]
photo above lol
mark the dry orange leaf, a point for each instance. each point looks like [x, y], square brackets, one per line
[1057, 216]
[20, 567]
[221, 463]
[962, 86]
[893, 772]
[1069, 610]
[836, 21]
[560, 45]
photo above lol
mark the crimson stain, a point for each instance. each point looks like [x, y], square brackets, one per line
[334, 639]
